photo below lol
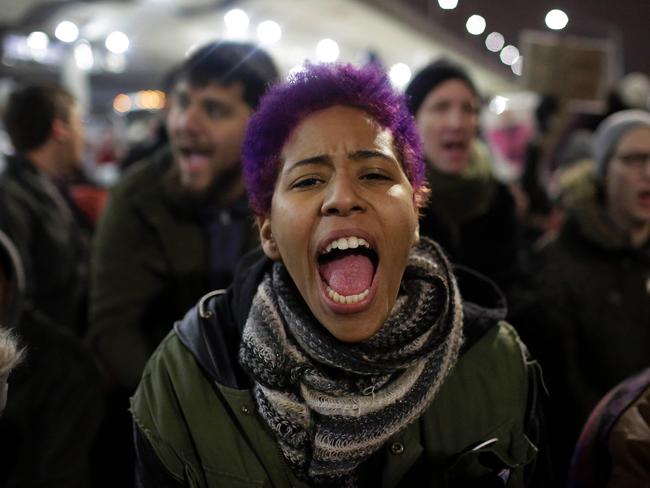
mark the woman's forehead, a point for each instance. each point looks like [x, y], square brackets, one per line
[337, 128]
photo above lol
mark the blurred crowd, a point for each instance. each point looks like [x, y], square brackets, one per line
[553, 207]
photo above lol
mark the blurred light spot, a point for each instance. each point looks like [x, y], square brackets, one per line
[269, 32]
[66, 31]
[236, 21]
[327, 51]
[116, 62]
[399, 74]
[556, 19]
[509, 54]
[475, 25]
[448, 4]
[191, 49]
[494, 41]
[149, 100]
[518, 66]
[117, 42]
[122, 103]
[498, 104]
[83, 55]
[294, 71]
[38, 41]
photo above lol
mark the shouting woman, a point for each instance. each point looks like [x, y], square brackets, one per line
[343, 354]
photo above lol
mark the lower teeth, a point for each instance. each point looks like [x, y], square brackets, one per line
[347, 299]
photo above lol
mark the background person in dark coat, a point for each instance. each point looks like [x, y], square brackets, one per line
[178, 222]
[55, 403]
[44, 125]
[590, 322]
[614, 447]
[469, 213]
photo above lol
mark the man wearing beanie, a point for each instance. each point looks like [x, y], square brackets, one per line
[469, 212]
[591, 323]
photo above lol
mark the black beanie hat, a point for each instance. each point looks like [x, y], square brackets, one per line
[430, 77]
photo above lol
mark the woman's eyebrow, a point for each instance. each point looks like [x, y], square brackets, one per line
[314, 160]
[369, 154]
[357, 155]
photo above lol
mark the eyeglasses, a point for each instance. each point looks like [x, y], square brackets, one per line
[636, 161]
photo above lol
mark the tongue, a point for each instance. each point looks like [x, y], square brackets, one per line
[348, 275]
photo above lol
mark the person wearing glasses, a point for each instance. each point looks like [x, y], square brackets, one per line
[591, 325]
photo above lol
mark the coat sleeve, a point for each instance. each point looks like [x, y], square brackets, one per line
[126, 270]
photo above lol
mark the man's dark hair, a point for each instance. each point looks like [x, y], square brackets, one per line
[226, 63]
[30, 112]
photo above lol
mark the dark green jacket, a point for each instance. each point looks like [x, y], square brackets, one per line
[196, 422]
[53, 246]
[149, 266]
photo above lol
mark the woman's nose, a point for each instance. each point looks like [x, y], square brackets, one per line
[342, 197]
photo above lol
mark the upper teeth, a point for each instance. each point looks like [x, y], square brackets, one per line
[346, 243]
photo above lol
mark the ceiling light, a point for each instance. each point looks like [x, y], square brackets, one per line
[494, 42]
[327, 51]
[83, 56]
[38, 41]
[122, 103]
[66, 31]
[448, 4]
[399, 74]
[556, 19]
[117, 42]
[509, 55]
[236, 21]
[475, 25]
[269, 32]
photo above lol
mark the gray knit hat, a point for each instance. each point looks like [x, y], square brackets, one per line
[610, 131]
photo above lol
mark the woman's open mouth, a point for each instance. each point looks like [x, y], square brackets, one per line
[347, 267]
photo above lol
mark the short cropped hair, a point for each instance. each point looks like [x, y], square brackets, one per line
[226, 63]
[318, 87]
[30, 112]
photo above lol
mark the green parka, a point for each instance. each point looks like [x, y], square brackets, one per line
[197, 426]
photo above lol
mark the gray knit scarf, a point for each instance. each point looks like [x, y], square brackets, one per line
[330, 404]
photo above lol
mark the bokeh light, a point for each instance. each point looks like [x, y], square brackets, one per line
[66, 31]
[327, 51]
[475, 25]
[556, 19]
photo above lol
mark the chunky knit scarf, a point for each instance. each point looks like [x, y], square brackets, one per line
[330, 404]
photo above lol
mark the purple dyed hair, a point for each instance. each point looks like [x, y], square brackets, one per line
[316, 88]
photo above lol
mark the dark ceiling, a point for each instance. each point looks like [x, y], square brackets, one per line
[625, 22]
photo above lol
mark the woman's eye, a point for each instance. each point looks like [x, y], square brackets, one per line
[377, 176]
[306, 182]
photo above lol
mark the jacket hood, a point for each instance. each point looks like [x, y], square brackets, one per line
[12, 269]
[589, 219]
[212, 329]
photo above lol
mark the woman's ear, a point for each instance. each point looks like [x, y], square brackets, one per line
[269, 246]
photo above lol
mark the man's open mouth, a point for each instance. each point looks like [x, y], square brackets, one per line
[195, 157]
[347, 267]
